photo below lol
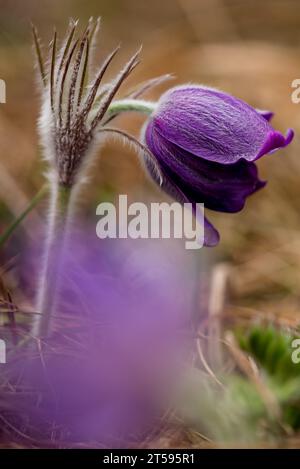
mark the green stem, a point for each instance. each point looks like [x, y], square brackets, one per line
[36, 199]
[58, 223]
[135, 105]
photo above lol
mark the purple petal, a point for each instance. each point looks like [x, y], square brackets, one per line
[215, 126]
[220, 187]
[268, 115]
[170, 187]
[275, 141]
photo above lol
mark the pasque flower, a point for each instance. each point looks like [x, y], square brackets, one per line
[206, 142]
[200, 143]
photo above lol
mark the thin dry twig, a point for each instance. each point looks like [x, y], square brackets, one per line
[216, 306]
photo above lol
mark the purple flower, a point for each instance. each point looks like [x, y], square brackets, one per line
[119, 345]
[206, 142]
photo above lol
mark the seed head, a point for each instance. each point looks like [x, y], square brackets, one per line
[74, 108]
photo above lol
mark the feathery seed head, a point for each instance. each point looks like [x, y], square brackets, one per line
[74, 107]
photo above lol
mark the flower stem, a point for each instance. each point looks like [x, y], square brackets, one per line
[58, 224]
[135, 105]
[60, 216]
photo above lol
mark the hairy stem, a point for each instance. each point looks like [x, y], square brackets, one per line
[58, 224]
[135, 105]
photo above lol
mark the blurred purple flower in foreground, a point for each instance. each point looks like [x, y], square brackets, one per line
[206, 142]
[120, 337]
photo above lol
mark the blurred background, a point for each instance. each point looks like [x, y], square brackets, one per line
[246, 47]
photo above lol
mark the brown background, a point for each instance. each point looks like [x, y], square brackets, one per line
[247, 47]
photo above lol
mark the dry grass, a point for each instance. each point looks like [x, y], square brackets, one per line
[249, 48]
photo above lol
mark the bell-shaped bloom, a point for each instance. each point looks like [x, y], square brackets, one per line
[205, 143]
